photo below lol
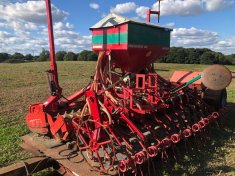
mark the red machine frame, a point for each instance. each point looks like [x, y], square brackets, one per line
[119, 113]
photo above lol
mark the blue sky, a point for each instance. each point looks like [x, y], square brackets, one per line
[196, 23]
[221, 21]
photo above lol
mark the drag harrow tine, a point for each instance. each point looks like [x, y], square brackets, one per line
[175, 138]
[123, 166]
[140, 157]
[196, 128]
[152, 151]
[187, 133]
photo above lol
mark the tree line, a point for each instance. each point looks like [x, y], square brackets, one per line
[176, 55]
[197, 56]
[84, 55]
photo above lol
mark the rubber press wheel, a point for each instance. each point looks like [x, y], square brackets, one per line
[216, 98]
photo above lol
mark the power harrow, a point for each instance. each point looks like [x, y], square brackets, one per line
[128, 114]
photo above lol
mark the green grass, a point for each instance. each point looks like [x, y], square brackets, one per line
[26, 83]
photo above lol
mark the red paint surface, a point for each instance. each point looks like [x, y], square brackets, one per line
[182, 77]
[110, 47]
[110, 30]
[135, 59]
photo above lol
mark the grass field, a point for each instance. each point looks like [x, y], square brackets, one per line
[22, 84]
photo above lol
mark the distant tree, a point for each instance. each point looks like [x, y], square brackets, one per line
[92, 56]
[60, 55]
[196, 56]
[86, 55]
[4, 57]
[173, 55]
[193, 56]
[181, 56]
[77, 56]
[83, 56]
[230, 58]
[207, 58]
[44, 55]
[35, 58]
[70, 56]
[29, 57]
[17, 56]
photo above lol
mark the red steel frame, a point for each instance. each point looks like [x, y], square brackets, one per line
[149, 12]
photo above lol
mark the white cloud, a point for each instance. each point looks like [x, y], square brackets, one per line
[193, 37]
[225, 46]
[4, 2]
[170, 25]
[30, 26]
[23, 29]
[67, 39]
[71, 41]
[141, 11]
[94, 5]
[175, 7]
[62, 26]
[191, 7]
[214, 5]
[124, 8]
[65, 33]
[179, 7]
[19, 26]
[198, 38]
[4, 35]
[30, 11]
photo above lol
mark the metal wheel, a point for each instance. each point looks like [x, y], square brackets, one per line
[96, 146]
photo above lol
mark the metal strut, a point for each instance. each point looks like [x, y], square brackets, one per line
[149, 12]
[53, 67]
